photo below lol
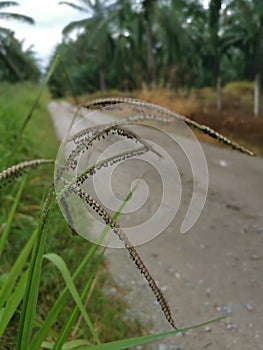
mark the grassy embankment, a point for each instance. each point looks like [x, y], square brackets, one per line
[39, 141]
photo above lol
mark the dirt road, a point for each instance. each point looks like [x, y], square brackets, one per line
[214, 269]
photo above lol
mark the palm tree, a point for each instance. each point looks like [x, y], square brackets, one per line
[179, 41]
[148, 8]
[173, 36]
[97, 30]
[214, 26]
[8, 44]
[13, 16]
[17, 63]
[245, 31]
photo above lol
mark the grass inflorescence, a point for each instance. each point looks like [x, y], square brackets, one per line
[27, 280]
[19, 169]
[84, 141]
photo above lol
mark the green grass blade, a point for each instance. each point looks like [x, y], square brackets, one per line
[46, 345]
[75, 344]
[11, 217]
[16, 270]
[13, 302]
[61, 265]
[67, 327]
[40, 92]
[52, 315]
[70, 345]
[35, 104]
[127, 343]
[64, 333]
[31, 294]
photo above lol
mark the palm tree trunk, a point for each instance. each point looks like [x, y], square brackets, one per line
[150, 57]
[257, 96]
[102, 80]
[219, 94]
[214, 26]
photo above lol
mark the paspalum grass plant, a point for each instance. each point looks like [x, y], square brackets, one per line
[22, 283]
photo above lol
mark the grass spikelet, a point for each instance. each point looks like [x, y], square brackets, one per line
[110, 161]
[134, 255]
[85, 139]
[67, 212]
[73, 187]
[18, 170]
[141, 106]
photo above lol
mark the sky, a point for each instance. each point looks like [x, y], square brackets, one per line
[50, 19]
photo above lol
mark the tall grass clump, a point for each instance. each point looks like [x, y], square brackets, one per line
[23, 188]
[32, 319]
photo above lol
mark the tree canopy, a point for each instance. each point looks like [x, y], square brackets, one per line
[170, 43]
[16, 64]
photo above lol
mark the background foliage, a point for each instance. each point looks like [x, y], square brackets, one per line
[173, 44]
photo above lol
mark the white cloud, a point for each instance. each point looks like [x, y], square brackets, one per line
[50, 19]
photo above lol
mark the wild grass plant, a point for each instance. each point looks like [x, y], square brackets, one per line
[22, 277]
[23, 188]
[22, 282]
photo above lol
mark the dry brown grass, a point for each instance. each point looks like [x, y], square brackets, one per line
[235, 121]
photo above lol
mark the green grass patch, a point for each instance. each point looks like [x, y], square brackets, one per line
[19, 218]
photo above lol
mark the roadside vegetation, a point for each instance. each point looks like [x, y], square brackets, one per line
[52, 285]
[176, 44]
[203, 63]
[39, 141]
[236, 121]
